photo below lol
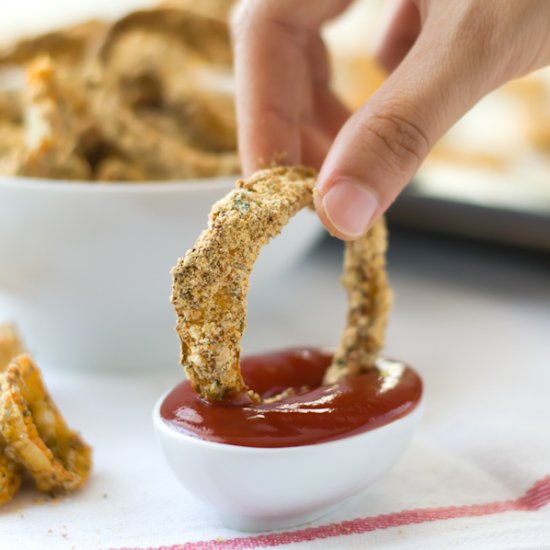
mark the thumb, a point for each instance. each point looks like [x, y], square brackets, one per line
[381, 146]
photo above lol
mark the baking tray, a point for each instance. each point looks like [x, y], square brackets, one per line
[476, 204]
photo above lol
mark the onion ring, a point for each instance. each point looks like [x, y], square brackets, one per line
[207, 38]
[216, 9]
[36, 434]
[69, 44]
[140, 99]
[162, 156]
[10, 344]
[369, 302]
[10, 472]
[211, 282]
[54, 126]
[184, 132]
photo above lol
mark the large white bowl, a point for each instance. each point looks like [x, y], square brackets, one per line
[258, 489]
[85, 267]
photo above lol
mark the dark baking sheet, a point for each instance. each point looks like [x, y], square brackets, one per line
[516, 214]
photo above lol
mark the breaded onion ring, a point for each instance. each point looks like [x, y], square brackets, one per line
[54, 120]
[10, 344]
[217, 9]
[207, 38]
[211, 282]
[369, 302]
[70, 44]
[154, 115]
[11, 107]
[10, 472]
[35, 433]
[162, 156]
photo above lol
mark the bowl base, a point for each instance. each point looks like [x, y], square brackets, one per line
[255, 524]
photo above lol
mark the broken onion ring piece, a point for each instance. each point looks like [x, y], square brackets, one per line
[35, 433]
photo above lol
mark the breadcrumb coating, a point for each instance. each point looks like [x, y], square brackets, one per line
[210, 283]
[369, 303]
[35, 434]
[10, 344]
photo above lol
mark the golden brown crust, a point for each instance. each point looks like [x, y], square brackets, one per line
[68, 45]
[211, 282]
[162, 156]
[36, 435]
[116, 169]
[204, 37]
[157, 116]
[369, 302]
[11, 473]
[54, 123]
[11, 106]
[146, 88]
[11, 129]
[11, 344]
[206, 121]
[218, 9]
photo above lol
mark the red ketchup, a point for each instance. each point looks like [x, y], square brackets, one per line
[314, 414]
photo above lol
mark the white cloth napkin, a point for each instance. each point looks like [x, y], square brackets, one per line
[484, 466]
[477, 475]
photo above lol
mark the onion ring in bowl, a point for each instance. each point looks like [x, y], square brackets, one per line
[211, 282]
[36, 434]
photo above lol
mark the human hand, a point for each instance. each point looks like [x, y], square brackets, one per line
[443, 55]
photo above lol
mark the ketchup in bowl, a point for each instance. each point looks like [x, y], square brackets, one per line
[314, 413]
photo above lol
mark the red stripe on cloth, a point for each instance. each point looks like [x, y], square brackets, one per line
[536, 497]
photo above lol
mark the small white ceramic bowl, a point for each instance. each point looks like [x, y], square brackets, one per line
[259, 489]
[85, 266]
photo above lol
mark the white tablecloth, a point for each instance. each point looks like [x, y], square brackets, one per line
[475, 323]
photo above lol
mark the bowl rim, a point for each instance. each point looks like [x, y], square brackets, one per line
[129, 188]
[162, 427]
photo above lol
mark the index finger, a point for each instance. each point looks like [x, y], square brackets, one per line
[273, 82]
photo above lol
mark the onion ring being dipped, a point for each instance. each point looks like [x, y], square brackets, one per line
[35, 433]
[369, 302]
[210, 283]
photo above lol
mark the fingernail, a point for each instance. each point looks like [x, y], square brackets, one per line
[350, 207]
